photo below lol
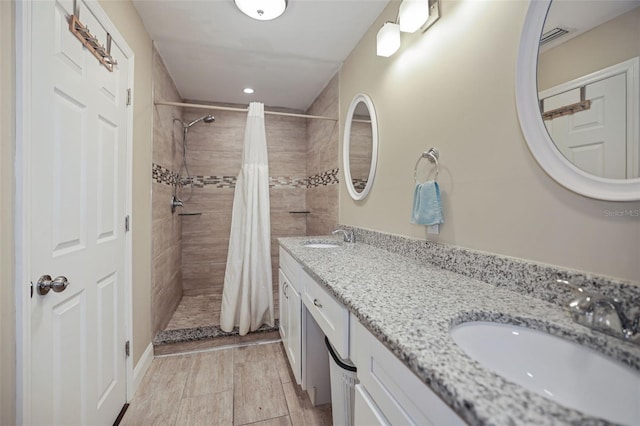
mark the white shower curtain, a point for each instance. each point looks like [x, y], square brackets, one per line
[247, 295]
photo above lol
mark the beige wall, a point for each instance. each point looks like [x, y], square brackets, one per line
[7, 259]
[453, 88]
[166, 273]
[608, 44]
[126, 19]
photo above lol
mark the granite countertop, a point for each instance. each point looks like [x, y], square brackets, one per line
[410, 307]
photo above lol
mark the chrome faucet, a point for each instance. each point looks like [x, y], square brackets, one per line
[602, 313]
[348, 236]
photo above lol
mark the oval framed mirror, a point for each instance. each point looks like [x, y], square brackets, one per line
[360, 146]
[541, 144]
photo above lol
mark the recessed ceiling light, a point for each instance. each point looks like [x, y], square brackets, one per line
[262, 10]
[248, 90]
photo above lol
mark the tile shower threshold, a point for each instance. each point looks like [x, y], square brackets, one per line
[194, 334]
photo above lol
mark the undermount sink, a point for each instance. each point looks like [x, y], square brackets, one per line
[558, 369]
[320, 245]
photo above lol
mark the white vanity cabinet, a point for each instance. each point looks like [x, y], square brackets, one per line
[390, 393]
[291, 311]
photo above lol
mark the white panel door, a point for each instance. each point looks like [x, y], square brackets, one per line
[594, 140]
[77, 190]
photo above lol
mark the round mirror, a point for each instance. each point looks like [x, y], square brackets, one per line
[578, 98]
[360, 147]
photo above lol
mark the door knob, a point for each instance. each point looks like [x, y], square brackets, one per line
[45, 283]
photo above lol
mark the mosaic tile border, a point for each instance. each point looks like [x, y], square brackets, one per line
[359, 184]
[165, 176]
[519, 275]
[230, 181]
[326, 178]
[217, 181]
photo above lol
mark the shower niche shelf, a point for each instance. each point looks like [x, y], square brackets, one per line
[299, 212]
[189, 214]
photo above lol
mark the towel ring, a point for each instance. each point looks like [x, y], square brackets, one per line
[432, 155]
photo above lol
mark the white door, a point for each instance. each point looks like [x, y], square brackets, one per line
[77, 188]
[594, 140]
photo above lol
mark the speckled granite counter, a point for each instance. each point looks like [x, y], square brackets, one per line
[411, 306]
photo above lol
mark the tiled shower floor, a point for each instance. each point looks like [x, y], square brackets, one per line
[195, 325]
[196, 311]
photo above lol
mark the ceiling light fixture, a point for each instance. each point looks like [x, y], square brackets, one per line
[248, 90]
[412, 15]
[262, 10]
[388, 39]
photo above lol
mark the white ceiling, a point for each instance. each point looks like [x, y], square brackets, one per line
[579, 16]
[213, 51]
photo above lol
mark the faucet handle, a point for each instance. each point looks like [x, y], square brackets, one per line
[582, 299]
[575, 288]
[348, 236]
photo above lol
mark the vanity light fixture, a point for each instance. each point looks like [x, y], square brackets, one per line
[248, 90]
[412, 15]
[388, 39]
[262, 10]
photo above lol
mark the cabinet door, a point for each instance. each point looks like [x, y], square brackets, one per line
[283, 309]
[397, 392]
[366, 413]
[294, 341]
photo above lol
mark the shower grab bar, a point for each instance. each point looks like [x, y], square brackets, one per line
[432, 155]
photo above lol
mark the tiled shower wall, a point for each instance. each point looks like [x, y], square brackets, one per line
[166, 274]
[303, 170]
[214, 154]
[322, 160]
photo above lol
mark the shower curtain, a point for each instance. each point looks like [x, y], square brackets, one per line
[247, 295]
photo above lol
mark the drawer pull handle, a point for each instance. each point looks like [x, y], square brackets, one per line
[316, 303]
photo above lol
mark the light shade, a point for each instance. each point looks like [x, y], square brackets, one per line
[413, 14]
[262, 10]
[388, 39]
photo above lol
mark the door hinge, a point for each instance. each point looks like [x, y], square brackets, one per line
[128, 97]
[127, 349]
[127, 225]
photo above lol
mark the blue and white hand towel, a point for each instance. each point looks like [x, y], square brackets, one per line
[427, 207]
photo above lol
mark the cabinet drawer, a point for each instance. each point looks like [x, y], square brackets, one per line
[291, 269]
[331, 315]
[399, 394]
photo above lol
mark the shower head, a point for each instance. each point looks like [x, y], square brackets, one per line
[207, 119]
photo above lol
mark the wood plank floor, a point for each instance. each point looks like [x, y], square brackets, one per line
[250, 385]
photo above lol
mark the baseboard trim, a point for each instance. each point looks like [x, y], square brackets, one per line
[141, 367]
